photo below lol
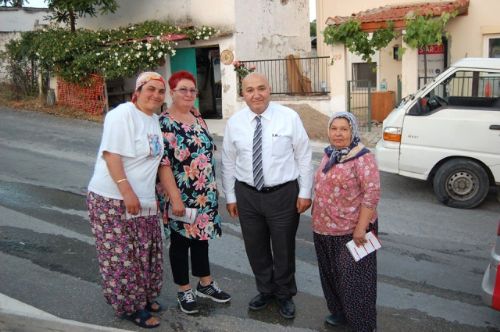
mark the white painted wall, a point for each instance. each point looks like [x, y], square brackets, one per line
[271, 29]
[218, 13]
[13, 21]
[22, 19]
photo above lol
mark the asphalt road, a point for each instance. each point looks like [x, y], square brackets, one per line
[429, 269]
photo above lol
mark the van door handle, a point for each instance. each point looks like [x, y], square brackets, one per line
[495, 127]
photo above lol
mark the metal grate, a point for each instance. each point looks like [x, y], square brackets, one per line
[294, 76]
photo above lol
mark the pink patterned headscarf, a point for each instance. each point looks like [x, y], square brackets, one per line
[144, 78]
[147, 76]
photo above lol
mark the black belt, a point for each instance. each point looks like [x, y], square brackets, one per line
[266, 189]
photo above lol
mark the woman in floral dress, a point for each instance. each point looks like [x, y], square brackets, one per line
[187, 177]
[122, 204]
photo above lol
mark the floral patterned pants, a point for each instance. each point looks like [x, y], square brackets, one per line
[129, 252]
[349, 286]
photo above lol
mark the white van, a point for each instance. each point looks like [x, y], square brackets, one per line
[448, 132]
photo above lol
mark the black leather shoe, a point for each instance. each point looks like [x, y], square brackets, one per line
[260, 301]
[287, 308]
[336, 319]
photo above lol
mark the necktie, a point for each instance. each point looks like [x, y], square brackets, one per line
[258, 175]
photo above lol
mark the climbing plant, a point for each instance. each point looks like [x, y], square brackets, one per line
[421, 32]
[358, 41]
[424, 31]
[112, 53]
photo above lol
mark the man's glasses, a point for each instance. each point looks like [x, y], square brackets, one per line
[185, 91]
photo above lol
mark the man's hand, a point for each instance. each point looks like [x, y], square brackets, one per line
[303, 204]
[232, 209]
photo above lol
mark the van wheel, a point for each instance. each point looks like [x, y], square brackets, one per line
[461, 183]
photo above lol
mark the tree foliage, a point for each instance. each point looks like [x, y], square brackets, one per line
[312, 28]
[14, 3]
[67, 11]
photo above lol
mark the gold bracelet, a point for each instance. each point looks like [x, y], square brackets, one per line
[121, 180]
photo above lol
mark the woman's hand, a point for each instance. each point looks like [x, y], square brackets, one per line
[178, 208]
[363, 223]
[359, 235]
[131, 202]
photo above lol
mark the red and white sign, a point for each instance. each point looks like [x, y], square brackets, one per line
[435, 60]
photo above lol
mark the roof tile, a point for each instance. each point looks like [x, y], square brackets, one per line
[397, 13]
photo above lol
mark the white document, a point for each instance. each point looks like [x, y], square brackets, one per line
[372, 244]
[189, 217]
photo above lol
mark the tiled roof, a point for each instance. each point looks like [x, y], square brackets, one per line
[376, 18]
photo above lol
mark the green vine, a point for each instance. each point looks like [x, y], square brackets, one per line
[423, 31]
[358, 41]
[112, 53]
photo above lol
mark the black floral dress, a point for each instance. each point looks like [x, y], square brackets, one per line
[189, 152]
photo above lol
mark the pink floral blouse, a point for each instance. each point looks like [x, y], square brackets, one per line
[340, 193]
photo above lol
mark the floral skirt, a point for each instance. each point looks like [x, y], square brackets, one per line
[129, 252]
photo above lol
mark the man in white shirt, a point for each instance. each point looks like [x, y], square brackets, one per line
[267, 180]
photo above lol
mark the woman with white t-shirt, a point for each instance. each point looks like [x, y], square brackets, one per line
[122, 204]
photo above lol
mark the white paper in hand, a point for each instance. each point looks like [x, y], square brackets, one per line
[372, 244]
[148, 208]
[189, 217]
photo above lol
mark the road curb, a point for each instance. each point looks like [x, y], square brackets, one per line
[18, 316]
[16, 322]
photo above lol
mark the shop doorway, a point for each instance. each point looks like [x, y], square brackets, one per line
[204, 64]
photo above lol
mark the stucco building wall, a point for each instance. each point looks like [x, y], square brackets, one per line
[252, 30]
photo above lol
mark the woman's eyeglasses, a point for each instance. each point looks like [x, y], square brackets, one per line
[185, 91]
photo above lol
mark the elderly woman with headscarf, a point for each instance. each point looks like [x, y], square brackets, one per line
[347, 191]
[122, 204]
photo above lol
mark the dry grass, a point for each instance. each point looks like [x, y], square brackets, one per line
[37, 104]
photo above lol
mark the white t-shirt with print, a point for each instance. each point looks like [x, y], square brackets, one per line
[137, 137]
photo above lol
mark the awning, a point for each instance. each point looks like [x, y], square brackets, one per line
[377, 18]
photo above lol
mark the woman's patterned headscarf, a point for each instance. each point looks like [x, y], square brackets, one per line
[144, 78]
[334, 154]
[147, 76]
